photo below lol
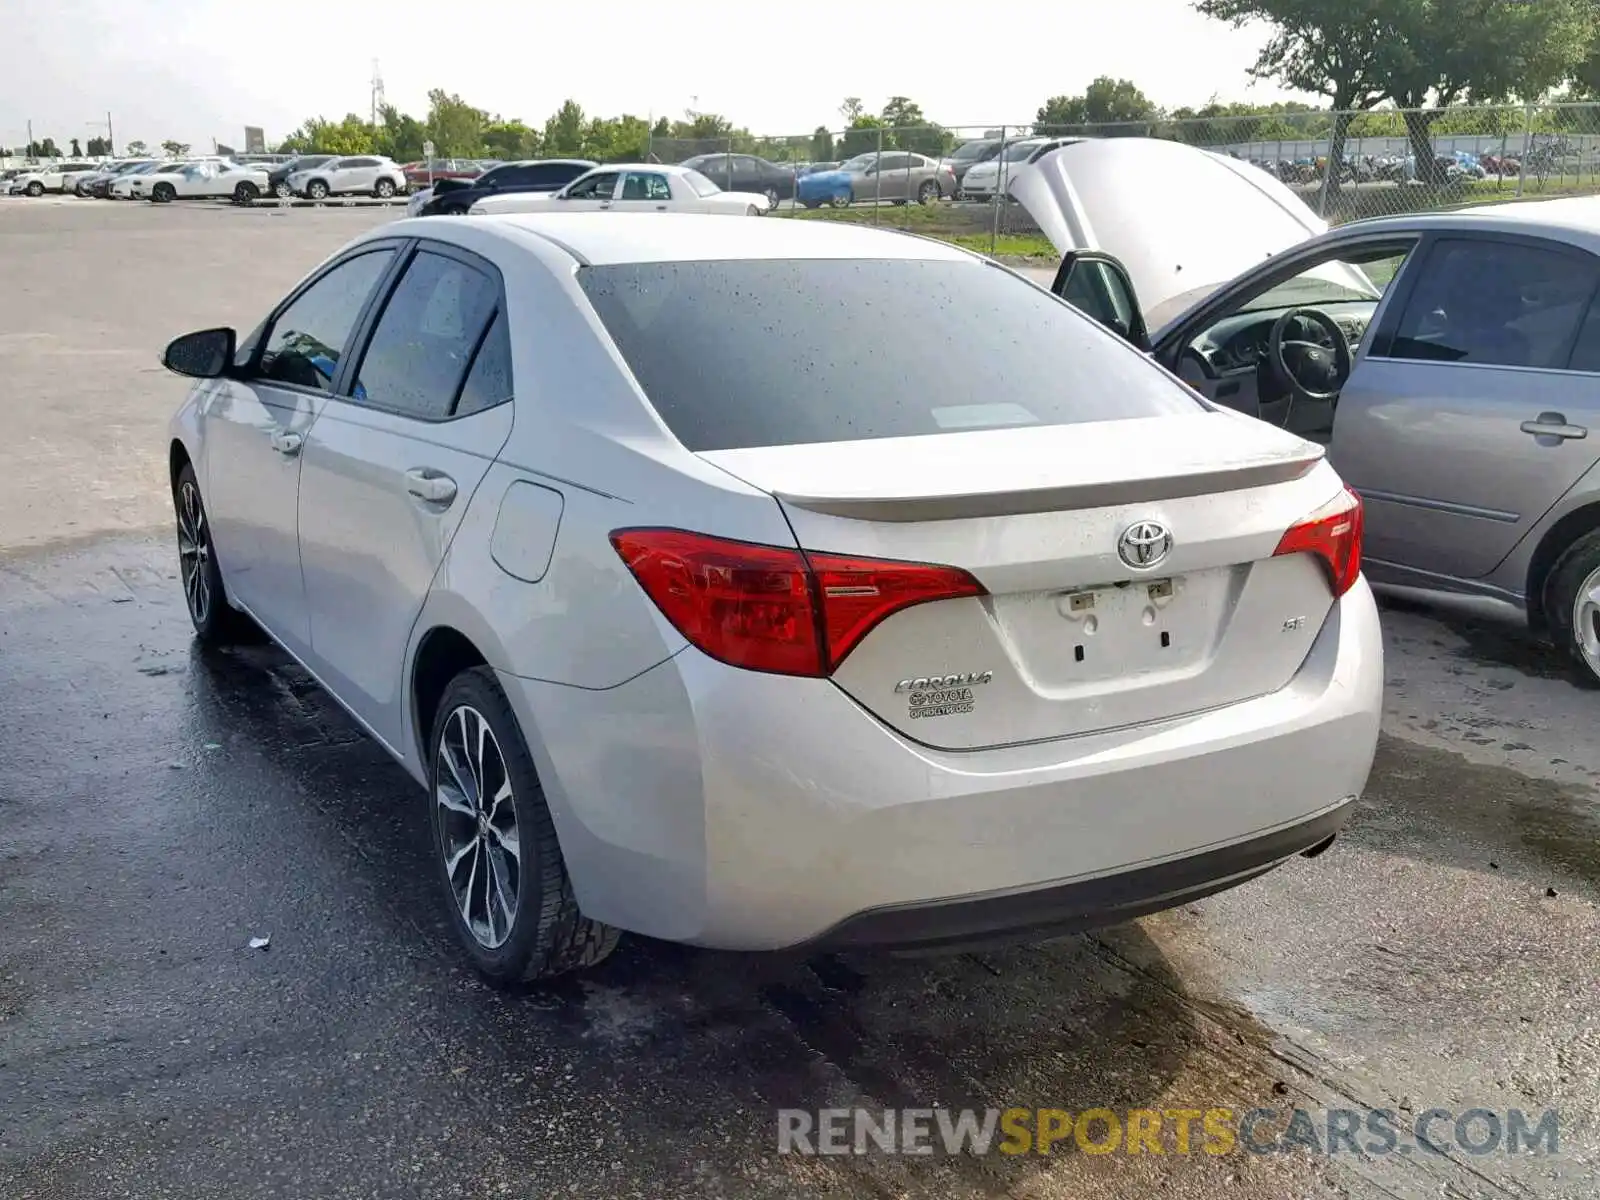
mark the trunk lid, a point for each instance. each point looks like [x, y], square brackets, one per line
[1184, 221]
[1070, 638]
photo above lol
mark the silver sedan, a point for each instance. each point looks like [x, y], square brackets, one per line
[705, 610]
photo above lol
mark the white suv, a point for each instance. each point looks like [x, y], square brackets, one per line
[362, 174]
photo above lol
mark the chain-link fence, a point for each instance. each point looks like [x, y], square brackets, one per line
[954, 182]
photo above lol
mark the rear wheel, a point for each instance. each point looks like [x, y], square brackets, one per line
[1572, 606]
[317, 190]
[813, 203]
[753, 210]
[163, 193]
[928, 192]
[246, 193]
[35, 189]
[282, 190]
[383, 189]
[772, 199]
[841, 199]
[504, 879]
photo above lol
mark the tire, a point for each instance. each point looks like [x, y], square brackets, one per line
[928, 192]
[282, 190]
[246, 192]
[1573, 620]
[163, 193]
[317, 190]
[35, 189]
[81, 191]
[216, 622]
[773, 199]
[753, 210]
[841, 199]
[543, 934]
[383, 189]
[812, 203]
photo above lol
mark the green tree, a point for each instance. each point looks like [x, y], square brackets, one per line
[865, 135]
[353, 135]
[1060, 114]
[77, 151]
[510, 140]
[137, 149]
[1414, 53]
[399, 135]
[851, 108]
[174, 149]
[1108, 107]
[912, 130]
[563, 131]
[97, 147]
[821, 144]
[455, 127]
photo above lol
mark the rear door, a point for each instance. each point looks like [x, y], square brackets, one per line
[1475, 409]
[1124, 532]
[391, 465]
[644, 191]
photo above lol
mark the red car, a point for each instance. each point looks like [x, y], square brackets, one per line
[417, 175]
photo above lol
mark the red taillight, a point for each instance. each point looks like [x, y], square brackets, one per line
[769, 608]
[1333, 533]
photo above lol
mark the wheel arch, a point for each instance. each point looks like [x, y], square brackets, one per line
[178, 457]
[1572, 526]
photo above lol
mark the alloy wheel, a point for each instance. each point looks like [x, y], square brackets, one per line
[1586, 621]
[477, 815]
[194, 552]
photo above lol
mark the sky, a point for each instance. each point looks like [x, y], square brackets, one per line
[198, 70]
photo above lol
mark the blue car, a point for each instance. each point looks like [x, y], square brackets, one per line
[824, 187]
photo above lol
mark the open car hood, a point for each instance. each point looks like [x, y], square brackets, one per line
[1184, 221]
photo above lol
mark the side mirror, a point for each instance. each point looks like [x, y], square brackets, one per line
[204, 355]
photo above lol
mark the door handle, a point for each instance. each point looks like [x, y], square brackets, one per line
[605, 204]
[1553, 424]
[287, 444]
[430, 486]
[661, 208]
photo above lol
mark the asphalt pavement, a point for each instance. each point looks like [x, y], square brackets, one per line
[160, 807]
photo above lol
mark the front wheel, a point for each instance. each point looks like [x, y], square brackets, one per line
[1572, 606]
[753, 210]
[163, 193]
[772, 199]
[246, 193]
[383, 189]
[216, 622]
[283, 191]
[840, 199]
[928, 192]
[812, 203]
[317, 190]
[35, 189]
[509, 896]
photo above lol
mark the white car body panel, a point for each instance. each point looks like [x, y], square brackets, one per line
[1183, 221]
[344, 179]
[211, 180]
[702, 802]
[683, 198]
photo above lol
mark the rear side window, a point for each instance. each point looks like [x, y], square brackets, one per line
[782, 352]
[488, 383]
[425, 339]
[1496, 304]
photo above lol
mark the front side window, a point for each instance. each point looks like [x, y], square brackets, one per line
[1496, 303]
[309, 336]
[868, 349]
[595, 187]
[425, 339]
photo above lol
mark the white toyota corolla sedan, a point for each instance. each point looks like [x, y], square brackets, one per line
[683, 564]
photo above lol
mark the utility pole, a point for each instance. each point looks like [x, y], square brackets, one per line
[377, 92]
[28, 153]
[111, 141]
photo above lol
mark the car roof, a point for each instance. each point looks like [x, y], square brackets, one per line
[1573, 219]
[604, 239]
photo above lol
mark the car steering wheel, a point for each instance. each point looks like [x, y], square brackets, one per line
[1309, 370]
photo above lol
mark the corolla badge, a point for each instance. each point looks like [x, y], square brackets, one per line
[1144, 544]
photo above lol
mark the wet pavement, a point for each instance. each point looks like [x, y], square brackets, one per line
[160, 807]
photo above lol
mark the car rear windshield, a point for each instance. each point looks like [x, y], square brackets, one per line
[781, 352]
[970, 150]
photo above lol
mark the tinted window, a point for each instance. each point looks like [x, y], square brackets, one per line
[838, 350]
[637, 185]
[1586, 353]
[310, 335]
[424, 340]
[554, 174]
[360, 162]
[1501, 303]
[489, 381]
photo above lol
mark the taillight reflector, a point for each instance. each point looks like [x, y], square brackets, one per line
[772, 608]
[1332, 533]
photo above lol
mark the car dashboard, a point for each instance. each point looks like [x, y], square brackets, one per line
[1240, 342]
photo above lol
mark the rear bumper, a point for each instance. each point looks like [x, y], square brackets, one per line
[725, 808]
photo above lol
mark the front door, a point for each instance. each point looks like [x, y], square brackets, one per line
[390, 468]
[1477, 408]
[254, 430]
[592, 192]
